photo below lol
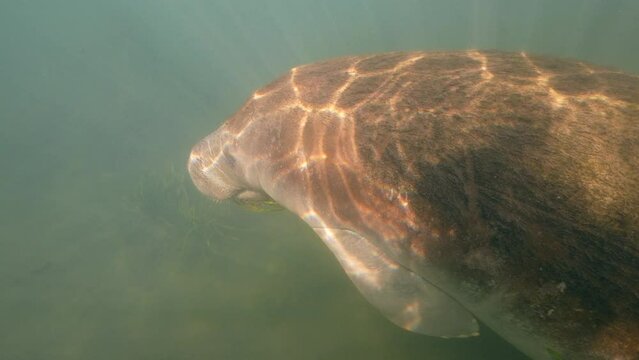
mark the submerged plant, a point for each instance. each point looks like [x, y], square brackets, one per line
[196, 225]
[168, 199]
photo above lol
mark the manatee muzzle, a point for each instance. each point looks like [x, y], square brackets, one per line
[212, 171]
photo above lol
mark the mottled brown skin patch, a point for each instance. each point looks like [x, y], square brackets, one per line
[427, 95]
[575, 84]
[515, 174]
[359, 90]
[554, 198]
[620, 87]
[442, 63]
[383, 62]
[317, 83]
[558, 66]
[508, 66]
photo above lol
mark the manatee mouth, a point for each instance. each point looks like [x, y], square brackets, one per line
[256, 201]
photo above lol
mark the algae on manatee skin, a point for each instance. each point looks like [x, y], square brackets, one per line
[260, 205]
[554, 355]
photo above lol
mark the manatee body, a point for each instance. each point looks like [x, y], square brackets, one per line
[457, 185]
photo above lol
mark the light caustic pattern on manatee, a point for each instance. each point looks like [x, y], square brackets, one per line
[479, 164]
[324, 133]
[401, 295]
[322, 120]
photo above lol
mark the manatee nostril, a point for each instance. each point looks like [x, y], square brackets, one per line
[198, 168]
[195, 163]
[199, 155]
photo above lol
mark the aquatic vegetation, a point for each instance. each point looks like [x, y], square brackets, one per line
[554, 355]
[168, 204]
[166, 198]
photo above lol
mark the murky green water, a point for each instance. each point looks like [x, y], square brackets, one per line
[106, 249]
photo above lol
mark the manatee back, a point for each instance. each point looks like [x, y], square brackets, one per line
[526, 170]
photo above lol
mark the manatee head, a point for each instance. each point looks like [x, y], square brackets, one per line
[214, 168]
[254, 158]
[223, 167]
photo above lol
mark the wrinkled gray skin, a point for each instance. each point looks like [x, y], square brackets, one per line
[502, 186]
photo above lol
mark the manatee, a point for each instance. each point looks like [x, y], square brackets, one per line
[455, 187]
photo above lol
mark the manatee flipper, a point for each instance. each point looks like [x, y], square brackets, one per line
[403, 297]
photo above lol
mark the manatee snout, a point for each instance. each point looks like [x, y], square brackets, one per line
[212, 170]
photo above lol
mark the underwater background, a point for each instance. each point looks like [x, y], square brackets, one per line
[107, 251]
